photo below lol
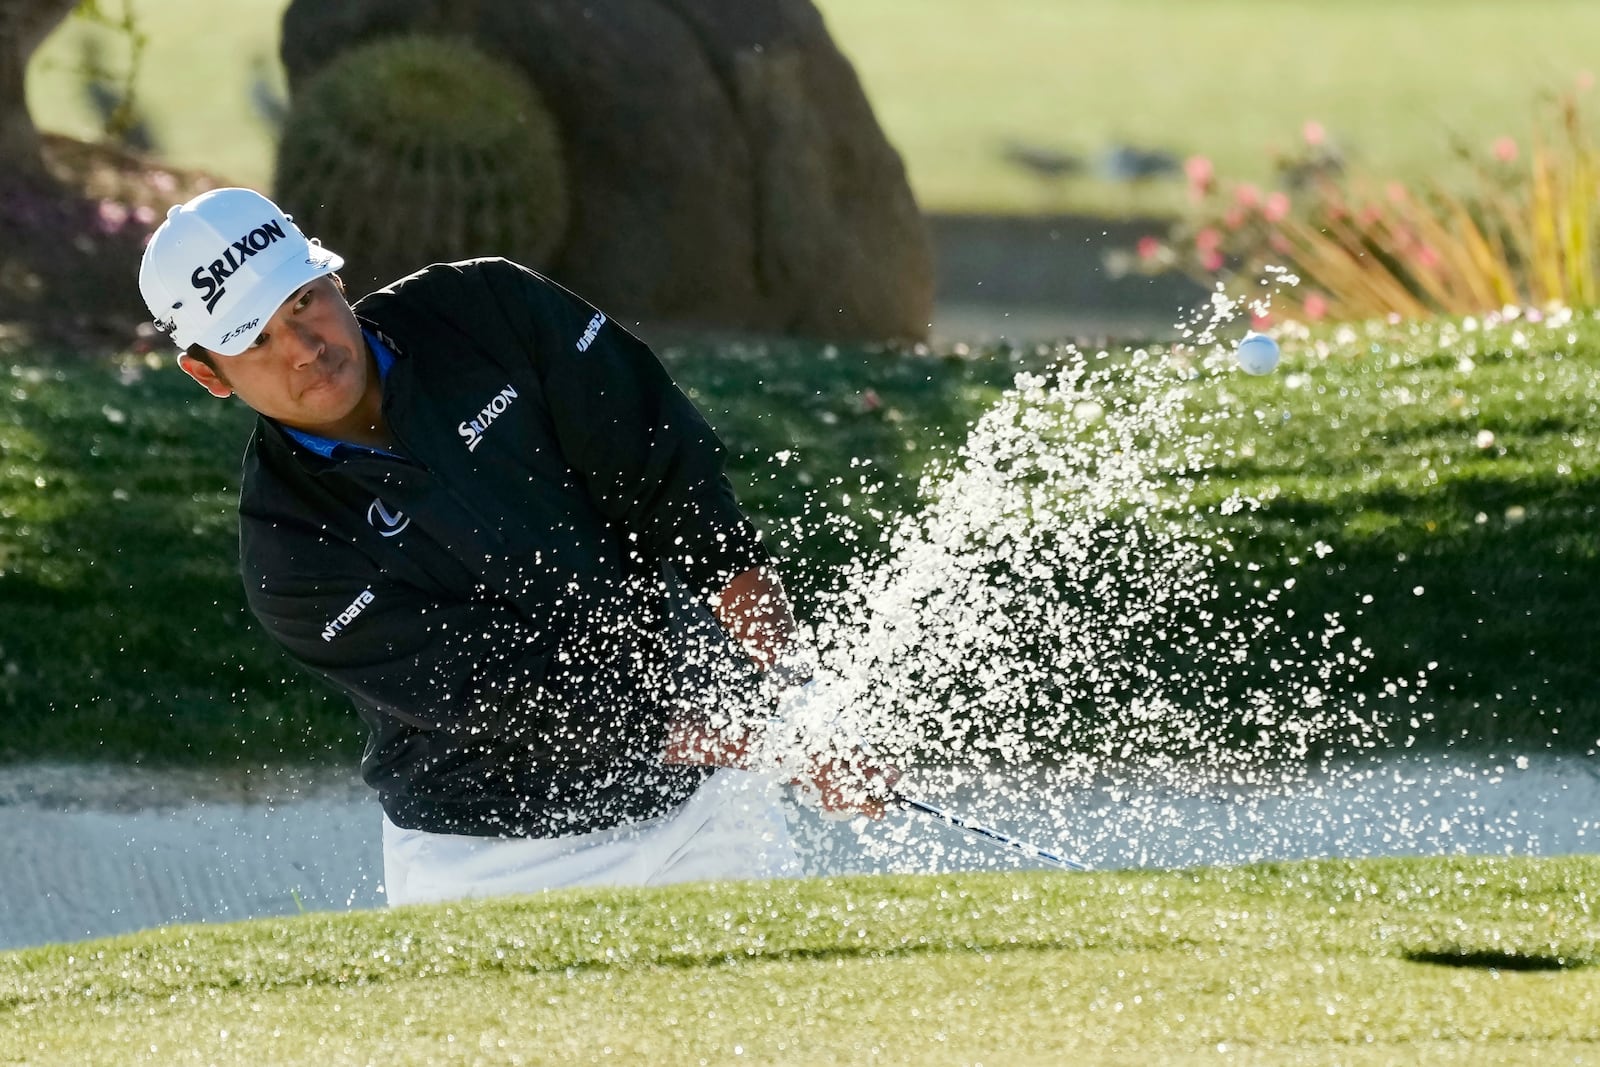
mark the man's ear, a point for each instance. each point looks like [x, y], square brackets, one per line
[209, 379]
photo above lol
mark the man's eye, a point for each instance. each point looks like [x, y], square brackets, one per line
[305, 298]
[259, 341]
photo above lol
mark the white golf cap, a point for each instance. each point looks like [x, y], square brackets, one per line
[219, 266]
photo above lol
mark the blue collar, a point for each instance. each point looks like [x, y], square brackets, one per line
[325, 446]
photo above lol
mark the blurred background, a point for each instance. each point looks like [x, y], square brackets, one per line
[847, 226]
[1041, 139]
[796, 201]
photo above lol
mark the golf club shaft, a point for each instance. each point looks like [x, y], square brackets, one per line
[993, 835]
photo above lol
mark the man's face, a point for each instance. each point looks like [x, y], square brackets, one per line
[308, 368]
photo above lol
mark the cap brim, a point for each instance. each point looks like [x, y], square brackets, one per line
[247, 322]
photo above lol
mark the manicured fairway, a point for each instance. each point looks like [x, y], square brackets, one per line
[1415, 961]
[1393, 83]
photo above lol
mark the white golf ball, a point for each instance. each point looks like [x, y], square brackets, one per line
[1257, 354]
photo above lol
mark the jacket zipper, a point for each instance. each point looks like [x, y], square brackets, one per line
[461, 501]
[410, 457]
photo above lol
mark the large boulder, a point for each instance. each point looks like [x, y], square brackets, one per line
[724, 166]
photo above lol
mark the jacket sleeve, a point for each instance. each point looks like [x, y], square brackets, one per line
[432, 665]
[648, 458]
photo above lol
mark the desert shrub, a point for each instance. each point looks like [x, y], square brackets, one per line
[1522, 232]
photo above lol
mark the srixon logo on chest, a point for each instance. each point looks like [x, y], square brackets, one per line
[209, 277]
[472, 429]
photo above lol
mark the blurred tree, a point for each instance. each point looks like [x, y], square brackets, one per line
[111, 97]
[24, 24]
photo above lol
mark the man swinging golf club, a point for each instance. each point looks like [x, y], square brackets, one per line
[483, 510]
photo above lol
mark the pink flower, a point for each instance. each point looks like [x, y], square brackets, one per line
[1149, 248]
[1211, 260]
[1277, 207]
[870, 400]
[1234, 217]
[1315, 305]
[1427, 257]
[1397, 193]
[1585, 81]
[161, 181]
[110, 216]
[1279, 244]
[1505, 149]
[1247, 196]
[1368, 216]
[144, 215]
[1208, 239]
[1201, 175]
[1313, 132]
[1260, 320]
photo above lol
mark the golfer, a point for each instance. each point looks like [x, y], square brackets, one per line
[483, 510]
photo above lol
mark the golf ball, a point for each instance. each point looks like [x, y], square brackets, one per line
[1257, 354]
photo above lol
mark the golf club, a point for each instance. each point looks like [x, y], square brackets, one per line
[977, 830]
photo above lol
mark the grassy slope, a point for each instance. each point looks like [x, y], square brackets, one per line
[1453, 474]
[1371, 448]
[1324, 962]
[124, 631]
[953, 81]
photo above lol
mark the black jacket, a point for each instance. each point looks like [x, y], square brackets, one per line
[497, 598]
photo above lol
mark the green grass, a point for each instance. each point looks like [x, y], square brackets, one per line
[953, 81]
[1471, 961]
[124, 633]
[1473, 552]
[1392, 82]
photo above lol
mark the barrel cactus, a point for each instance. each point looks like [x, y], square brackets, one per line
[413, 150]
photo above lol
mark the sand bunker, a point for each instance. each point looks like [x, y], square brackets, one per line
[89, 852]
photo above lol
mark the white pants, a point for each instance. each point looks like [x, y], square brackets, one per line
[730, 828]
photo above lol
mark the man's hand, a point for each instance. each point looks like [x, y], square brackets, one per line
[841, 782]
[755, 612]
[814, 743]
[840, 777]
[851, 785]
